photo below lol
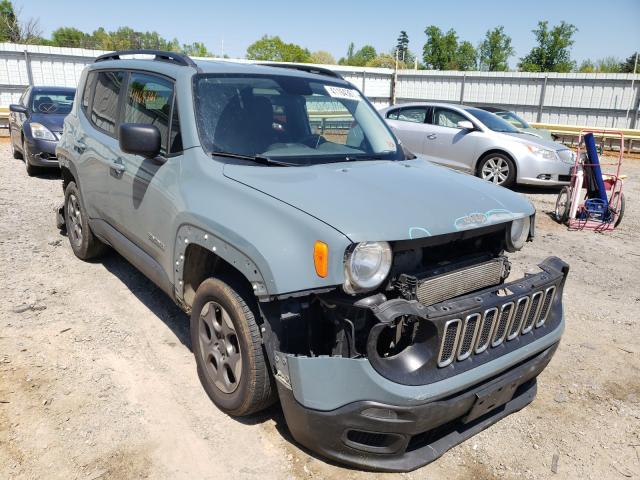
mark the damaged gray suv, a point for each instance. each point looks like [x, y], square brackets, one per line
[321, 263]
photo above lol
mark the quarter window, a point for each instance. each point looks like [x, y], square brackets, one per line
[86, 95]
[104, 108]
[447, 118]
[149, 100]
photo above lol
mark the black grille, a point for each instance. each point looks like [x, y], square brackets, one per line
[546, 306]
[484, 333]
[468, 336]
[533, 312]
[449, 342]
[370, 439]
[503, 324]
[518, 317]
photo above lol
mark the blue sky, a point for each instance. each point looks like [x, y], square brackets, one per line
[610, 28]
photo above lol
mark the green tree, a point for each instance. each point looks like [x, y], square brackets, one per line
[466, 57]
[8, 23]
[630, 63]
[440, 50]
[587, 66]
[384, 60]
[322, 57]
[402, 46]
[363, 56]
[495, 50]
[602, 65]
[274, 49]
[552, 52]
[70, 37]
[196, 49]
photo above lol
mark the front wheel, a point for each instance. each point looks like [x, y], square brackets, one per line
[563, 204]
[226, 342]
[497, 168]
[31, 170]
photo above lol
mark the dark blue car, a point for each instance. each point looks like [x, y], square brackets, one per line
[35, 125]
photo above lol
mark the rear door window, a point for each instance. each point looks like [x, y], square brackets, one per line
[104, 107]
[149, 99]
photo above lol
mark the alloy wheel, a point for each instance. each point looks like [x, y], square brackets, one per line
[219, 347]
[496, 170]
[75, 219]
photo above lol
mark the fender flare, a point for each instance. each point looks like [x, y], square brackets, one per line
[190, 234]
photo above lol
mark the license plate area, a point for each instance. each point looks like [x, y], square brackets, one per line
[490, 398]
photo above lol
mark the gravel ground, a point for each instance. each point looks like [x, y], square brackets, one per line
[97, 380]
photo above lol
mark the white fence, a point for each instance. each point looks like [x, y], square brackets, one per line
[595, 100]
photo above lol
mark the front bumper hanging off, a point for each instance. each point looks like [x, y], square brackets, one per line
[399, 416]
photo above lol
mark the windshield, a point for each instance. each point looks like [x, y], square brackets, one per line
[513, 119]
[302, 121]
[52, 102]
[491, 121]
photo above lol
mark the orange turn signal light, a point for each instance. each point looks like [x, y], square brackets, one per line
[321, 258]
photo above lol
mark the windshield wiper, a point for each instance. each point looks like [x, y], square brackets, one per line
[262, 160]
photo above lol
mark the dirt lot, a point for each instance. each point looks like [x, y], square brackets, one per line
[97, 379]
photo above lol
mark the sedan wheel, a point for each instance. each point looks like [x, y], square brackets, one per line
[496, 170]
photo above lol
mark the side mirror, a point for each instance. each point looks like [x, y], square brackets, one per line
[140, 139]
[466, 125]
[14, 107]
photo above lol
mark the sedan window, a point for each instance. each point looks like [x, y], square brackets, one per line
[415, 115]
[447, 118]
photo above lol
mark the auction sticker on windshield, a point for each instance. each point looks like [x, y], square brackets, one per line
[339, 92]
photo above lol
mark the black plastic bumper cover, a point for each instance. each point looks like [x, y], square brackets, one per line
[374, 436]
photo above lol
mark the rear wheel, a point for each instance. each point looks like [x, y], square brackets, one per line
[227, 344]
[83, 243]
[620, 212]
[563, 203]
[497, 168]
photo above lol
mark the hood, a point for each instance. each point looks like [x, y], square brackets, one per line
[539, 132]
[536, 140]
[53, 121]
[386, 200]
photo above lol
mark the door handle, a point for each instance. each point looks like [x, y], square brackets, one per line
[432, 136]
[118, 167]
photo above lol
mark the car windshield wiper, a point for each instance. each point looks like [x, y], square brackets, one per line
[262, 160]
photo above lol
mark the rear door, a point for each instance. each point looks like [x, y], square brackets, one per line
[143, 189]
[451, 146]
[408, 123]
[96, 141]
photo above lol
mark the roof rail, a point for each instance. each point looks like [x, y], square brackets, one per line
[304, 68]
[159, 55]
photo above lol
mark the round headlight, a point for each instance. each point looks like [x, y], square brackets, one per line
[366, 266]
[518, 233]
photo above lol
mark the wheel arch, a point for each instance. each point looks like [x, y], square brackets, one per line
[494, 151]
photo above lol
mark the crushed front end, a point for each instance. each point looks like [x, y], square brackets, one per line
[391, 379]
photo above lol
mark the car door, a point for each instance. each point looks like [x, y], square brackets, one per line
[144, 189]
[17, 119]
[96, 142]
[408, 124]
[450, 145]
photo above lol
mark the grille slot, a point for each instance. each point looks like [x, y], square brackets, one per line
[518, 317]
[468, 336]
[449, 342]
[546, 306]
[534, 310]
[485, 329]
[502, 326]
[453, 284]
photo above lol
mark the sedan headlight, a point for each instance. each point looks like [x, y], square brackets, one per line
[366, 266]
[41, 132]
[542, 152]
[517, 233]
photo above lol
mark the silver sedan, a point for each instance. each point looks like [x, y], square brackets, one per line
[478, 142]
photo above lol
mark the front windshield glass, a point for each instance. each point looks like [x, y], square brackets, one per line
[52, 102]
[492, 122]
[302, 121]
[513, 119]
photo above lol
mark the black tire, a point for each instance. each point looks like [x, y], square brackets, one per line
[563, 205]
[620, 208]
[497, 168]
[31, 170]
[218, 347]
[16, 154]
[83, 242]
